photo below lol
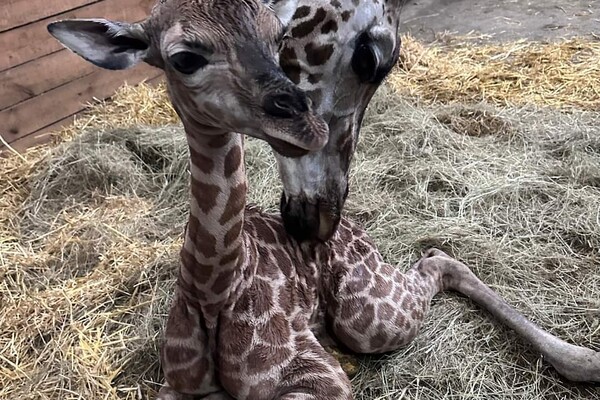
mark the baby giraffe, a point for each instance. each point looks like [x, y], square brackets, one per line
[250, 300]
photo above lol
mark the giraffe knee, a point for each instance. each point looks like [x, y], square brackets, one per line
[383, 337]
[433, 252]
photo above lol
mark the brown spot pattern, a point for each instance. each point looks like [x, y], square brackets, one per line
[205, 194]
[178, 355]
[203, 163]
[276, 331]
[416, 315]
[305, 28]
[219, 141]
[261, 358]
[235, 203]
[204, 241]
[228, 258]
[283, 262]
[200, 273]
[301, 12]
[288, 61]
[262, 297]
[378, 341]
[299, 323]
[381, 287]
[263, 231]
[314, 78]
[222, 282]
[358, 285]
[400, 320]
[232, 234]
[365, 318]
[397, 295]
[407, 303]
[385, 312]
[236, 338]
[282, 236]
[351, 307]
[348, 339]
[329, 26]
[285, 297]
[178, 323]
[318, 55]
[233, 160]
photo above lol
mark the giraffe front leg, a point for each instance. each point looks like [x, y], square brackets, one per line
[185, 357]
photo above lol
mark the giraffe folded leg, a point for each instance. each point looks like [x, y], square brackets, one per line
[314, 374]
[378, 309]
[375, 307]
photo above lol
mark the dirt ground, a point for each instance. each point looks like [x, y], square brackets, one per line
[503, 20]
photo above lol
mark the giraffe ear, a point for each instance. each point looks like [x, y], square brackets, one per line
[284, 9]
[107, 44]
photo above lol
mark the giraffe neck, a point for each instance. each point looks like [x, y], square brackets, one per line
[213, 249]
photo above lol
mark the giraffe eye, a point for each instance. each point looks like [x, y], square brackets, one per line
[187, 62]
[365, 62]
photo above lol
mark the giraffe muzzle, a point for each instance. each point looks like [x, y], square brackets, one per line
[308, 221]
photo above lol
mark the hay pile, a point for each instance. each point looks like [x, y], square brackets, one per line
[90, 231]
[562, 75]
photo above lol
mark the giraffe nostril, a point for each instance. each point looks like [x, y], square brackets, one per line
[285, 105]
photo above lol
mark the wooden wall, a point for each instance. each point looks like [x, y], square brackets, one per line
[42, 84]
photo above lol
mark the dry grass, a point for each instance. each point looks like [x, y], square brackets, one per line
[564, 74]
[90, 231]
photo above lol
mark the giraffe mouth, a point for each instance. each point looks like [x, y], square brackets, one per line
[309, 221]
[286, 149]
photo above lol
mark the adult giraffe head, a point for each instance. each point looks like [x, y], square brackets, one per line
[220, 58]
[338, 52]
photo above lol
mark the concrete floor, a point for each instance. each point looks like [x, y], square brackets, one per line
[503, 19]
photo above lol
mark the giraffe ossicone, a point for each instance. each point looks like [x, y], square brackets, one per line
[249, 299]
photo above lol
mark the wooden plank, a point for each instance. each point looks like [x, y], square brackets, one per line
[44, 135]
[32, 41]
[21, 145]
[15, 13]
[41, 111]
[155, 81]
[38, 76]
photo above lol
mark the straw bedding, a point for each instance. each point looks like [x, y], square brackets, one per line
[90, 231]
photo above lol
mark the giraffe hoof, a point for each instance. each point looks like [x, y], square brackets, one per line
[578, 364]
[348, 362]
